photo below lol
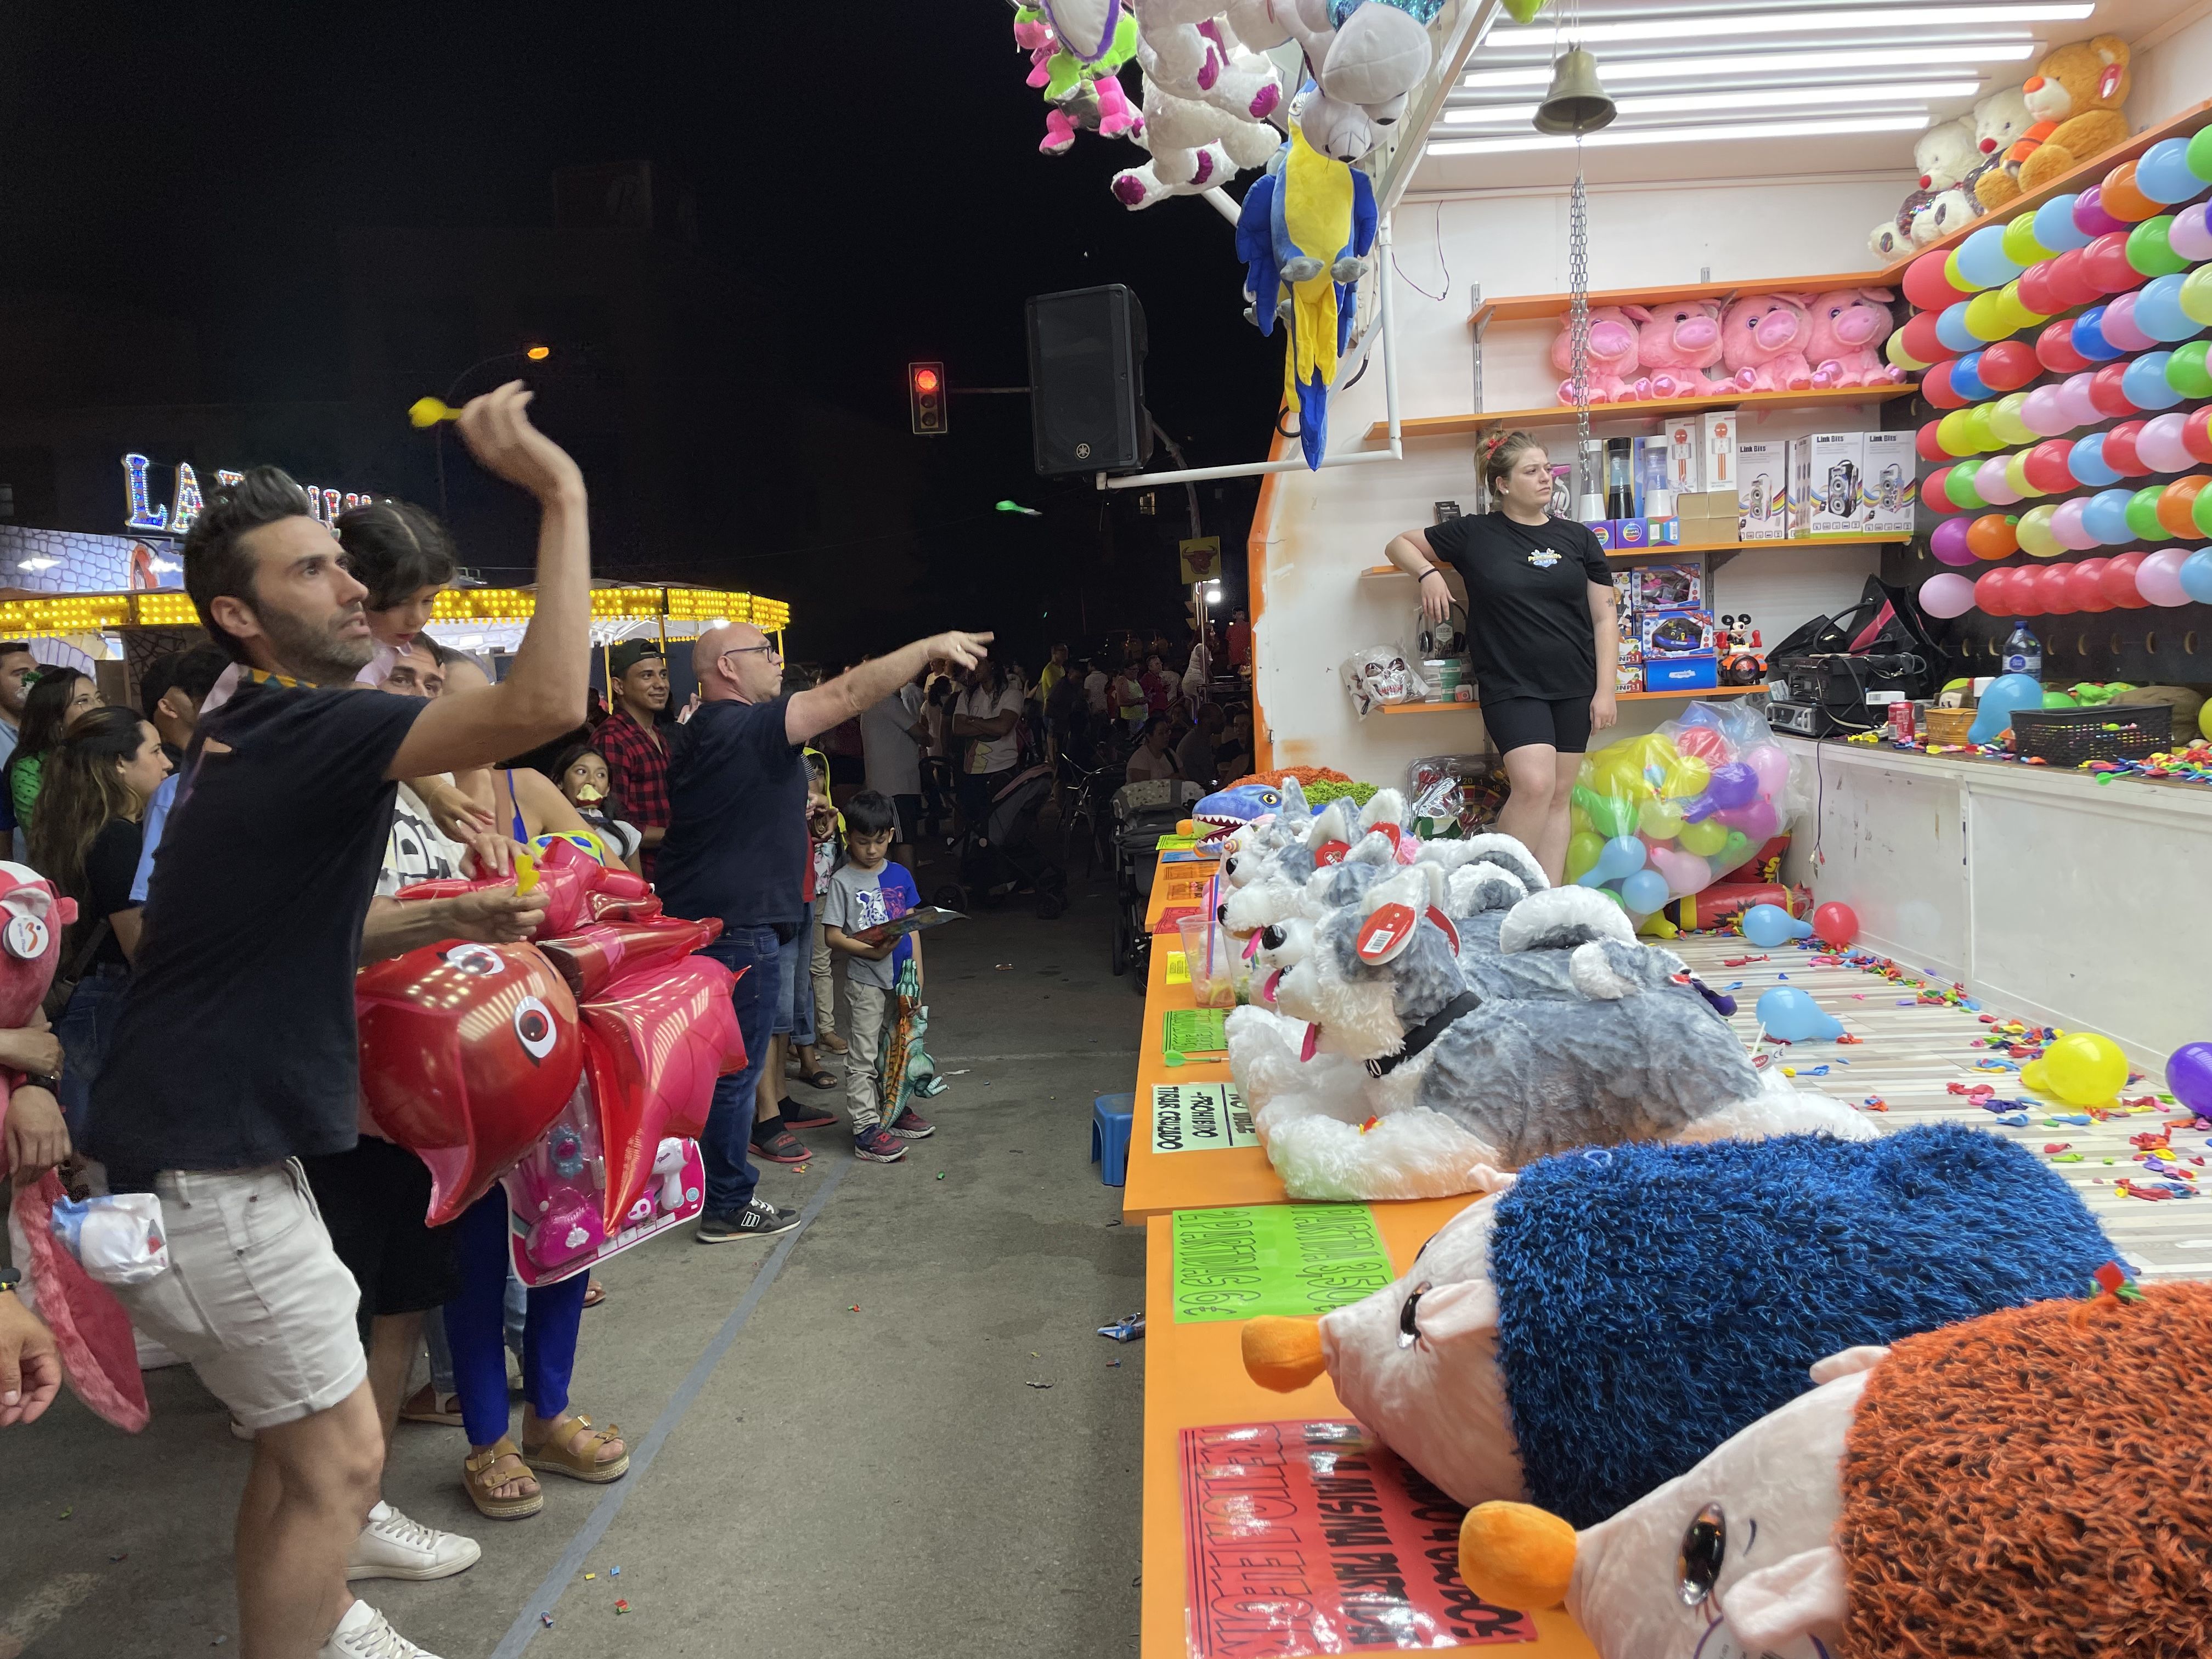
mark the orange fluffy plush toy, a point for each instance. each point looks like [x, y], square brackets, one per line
[2075, 98]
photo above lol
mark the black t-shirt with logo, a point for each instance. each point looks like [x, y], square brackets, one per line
[737, 846]
[237, 1047]
[1528, 610]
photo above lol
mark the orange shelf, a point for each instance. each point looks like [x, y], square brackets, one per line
[1451, 426]
[1538, 307]
[1619, 697]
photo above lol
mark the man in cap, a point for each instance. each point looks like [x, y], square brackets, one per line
[631, 742]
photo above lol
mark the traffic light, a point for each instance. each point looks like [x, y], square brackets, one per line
[925, 395]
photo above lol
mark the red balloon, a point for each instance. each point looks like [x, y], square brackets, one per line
[2120, 449]
[2106, 393]
[2026, 592]
[2104, 262]
[1926, 285]
[1932, 489]
[2054, 585]
[1993, 591]
[2045, 465]
[1835, 924]
[2119, 581]
[2197, 433]
[2054, 348]
[2085, 585]
[1936, 386]
[2070, 282]
[1925, 442]
[2008, 365]
[2036, 292]
[1920, 341]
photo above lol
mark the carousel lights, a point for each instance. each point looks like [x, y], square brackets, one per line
[165, 611]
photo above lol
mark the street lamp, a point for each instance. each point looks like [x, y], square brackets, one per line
[536, 354]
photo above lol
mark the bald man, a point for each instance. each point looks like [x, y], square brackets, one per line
[736, 848]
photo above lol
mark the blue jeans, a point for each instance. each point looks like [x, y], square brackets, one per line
[475, 1319]
[87, 1027]
[795, 1009]
[730, 1176]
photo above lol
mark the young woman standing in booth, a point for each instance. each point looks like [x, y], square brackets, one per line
[1540, 627]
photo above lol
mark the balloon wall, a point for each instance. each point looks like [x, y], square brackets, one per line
[2065, 353]
[1661, 817]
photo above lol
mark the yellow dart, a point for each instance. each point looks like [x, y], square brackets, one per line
[426, 412]
[525, 872]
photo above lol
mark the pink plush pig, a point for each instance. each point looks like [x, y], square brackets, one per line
[1679, 342]
[1613, 359]
[1764, 339]
[1848, 326]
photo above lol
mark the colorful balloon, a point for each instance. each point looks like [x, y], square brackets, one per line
[2046, 464]
[2158, 314]
[2089, 215]
[1992, 591]
[2085, 584]
[1924, 340]
[1983, 260]
[1583, 848]
[2008, 365]
[2175, 505]
[2162, 173]
[2189, 1076]
[2076, 397]
[1955, 434]
[1621, 857]
[2085, 1069]
[1644, 892]
[1768, 925]
[2118, 196]
[2025, 594]
[1925, 285]
[1994, 536]
[1936, 386]
[2016, 475]
[2086, 461]
[2054, 350]
[1946, 595]
[1789, 1013]
[1985, 318]
[1988, 484]
[2142, 512]
[2144, 384]
[2066, 524]
[1951, 328]
[2015, 312]
[2120, 583]
[2196, 296]
[2158, 579]
[2109, 391]
[2005, 419]
[2196, 571]
[2187, 370]
[1947, 543]
[2054, 588]
[1993, 716]
[1895, 350]
[2120, 450]
[1966, 379]
[2088, 336]
[2160, 443]
[2120, 326]
[2019, 244]
[2035, 533]
[2104, 262]
[2149, 250]
[2070, 281]
[1928, 442]
[2191, 234]
[2105, 516]
[2055, 226]
[2197, 433]
[1963, 487]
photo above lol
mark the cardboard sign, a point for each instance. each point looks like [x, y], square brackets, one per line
[1307, 1538]
[1294, 1259]
[1200, 559]
[1200, 1117]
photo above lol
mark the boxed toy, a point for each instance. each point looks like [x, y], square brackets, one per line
[1667, 588]
[1603, 529]
[1663, 532]
[1763, 490]
[1654, 489]
[1623, 595]
[1627, 676]
[1800, 486]
[1717, 447]
[1889, 488]
[1686, 470]
[1680, 674]
[1630, 535]
[1838, 465]
[1664, 634]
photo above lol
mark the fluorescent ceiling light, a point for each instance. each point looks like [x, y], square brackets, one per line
[1783, 62]
[1748, 98]
[1615, 136]
[1794, 22]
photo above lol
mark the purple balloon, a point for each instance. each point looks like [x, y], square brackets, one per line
[2120, 325]
[2089, 216]
[2045, 413]
[2189, 1077]
[2074, 399]
[2066, 524]
[1948, 543]
[1731, 785]
[1756, 817]
[2191, 235]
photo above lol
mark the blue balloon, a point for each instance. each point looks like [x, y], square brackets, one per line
[1787, 1013]
[2086, 461]
[1967, 380]
[1952, 331]
[2055, 228]
[1983, 260]
[2197, 575]
[2163, 172]
[1769, 925]
[1623, 856]
[2089, 337]
[1645, 892]
[2105, 516]
[1993, 717]
[2146, 385]
[2159, 312]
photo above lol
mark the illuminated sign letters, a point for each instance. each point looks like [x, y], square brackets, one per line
[141, 512]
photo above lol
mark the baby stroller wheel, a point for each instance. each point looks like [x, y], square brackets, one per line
[1051, 878]
[950, 896]
[1049, 905]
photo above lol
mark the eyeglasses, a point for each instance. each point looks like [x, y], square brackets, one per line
[740, 650]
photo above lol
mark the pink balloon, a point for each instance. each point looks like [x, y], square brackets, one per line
[1992, 484]
[1771, 767]
[1686, 872]
[1756, 817]
[2159, 445]
[2074, 401]
[1946, 595]
[2120, 325]
[2158, 578]
[2066, 526]
[2189, 236]
[2045, 415]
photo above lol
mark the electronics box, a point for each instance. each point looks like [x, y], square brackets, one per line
[1837, 466]
[1603, 530]
[1890, 489]
[1667, 588]
[1685, 469]
[1630, 535]
[1800, 486]
[1664, 634]
[1681, 673]
[1763, 490]
[1654, 489]
[1717, 447]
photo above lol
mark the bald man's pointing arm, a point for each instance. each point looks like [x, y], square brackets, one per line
[835, 702]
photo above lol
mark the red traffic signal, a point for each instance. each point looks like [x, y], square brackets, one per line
[924, 392]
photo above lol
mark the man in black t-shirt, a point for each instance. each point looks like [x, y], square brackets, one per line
[237, 1054]
[738, 849]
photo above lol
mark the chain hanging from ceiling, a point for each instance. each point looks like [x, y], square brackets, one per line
[1576, 103]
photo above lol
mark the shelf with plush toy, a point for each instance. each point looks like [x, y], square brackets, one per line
[1556, 415]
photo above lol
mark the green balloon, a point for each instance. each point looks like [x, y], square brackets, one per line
[2059, 700]
[2185, 370]
[2200, 512]
[1609, 815]
[2142, 512]
[1983, 436]
[2019, 244]
[2150, 253]
[1959, 487]
[2196, 295]
[1583, 850]
[2199, 159]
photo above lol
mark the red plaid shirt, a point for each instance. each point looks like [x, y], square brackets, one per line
[640, 766]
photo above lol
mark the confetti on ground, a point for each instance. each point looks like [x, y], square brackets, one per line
[1037, 1385]
[591, 1575]
[621, 1606]
[66, 1513]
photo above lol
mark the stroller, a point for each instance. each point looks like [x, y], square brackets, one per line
[1005, 859]
[1143, 813]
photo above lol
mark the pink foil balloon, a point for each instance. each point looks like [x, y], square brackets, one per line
[2074, 401]
[2191, 235]
[2159, 445]
[2066, 524]
[2120, 325]
[1992, 484]
[2158, 578]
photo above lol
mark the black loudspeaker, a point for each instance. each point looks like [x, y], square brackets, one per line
[1087, 381]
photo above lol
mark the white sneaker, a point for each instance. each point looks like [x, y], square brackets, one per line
[392, 1546]
[365, 1633]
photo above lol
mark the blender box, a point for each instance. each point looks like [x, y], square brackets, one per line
[1763, 490]
[1889, 488]
[1838, 469]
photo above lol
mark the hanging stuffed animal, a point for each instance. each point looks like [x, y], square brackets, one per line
[1084, 92]
[1365, 57]
[1195, 148]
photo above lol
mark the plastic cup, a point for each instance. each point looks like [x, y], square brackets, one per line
[1210, 956]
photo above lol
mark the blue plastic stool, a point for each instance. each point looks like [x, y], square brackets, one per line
[1110, 1117]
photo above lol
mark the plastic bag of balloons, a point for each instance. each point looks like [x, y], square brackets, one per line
[1656, 819]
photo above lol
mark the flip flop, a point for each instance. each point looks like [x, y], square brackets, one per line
[822, 1078]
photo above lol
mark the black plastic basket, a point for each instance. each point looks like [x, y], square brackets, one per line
[2067, 737]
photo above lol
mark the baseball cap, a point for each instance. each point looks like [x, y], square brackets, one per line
[629, 653]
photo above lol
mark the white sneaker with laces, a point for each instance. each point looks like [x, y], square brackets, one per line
[365, 1633]
[392, 1546]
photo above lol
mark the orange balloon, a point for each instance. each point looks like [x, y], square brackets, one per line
[2174, 505]
[2121, 198]
[1994, 536]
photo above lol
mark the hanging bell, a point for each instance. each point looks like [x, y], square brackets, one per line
[1576, 103]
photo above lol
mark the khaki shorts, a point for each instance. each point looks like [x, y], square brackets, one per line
[255, 1298]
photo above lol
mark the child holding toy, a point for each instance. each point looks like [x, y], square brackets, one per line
[864, 892]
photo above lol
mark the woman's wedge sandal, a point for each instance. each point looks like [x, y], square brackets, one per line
[498, 1465]
[555, 1456]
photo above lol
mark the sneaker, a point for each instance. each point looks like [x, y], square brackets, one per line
[365, 1633]
[757, 1219]
[910, 1125]
[873, 1144]
[782, 1147]
[796, 1116]
[392, 1546]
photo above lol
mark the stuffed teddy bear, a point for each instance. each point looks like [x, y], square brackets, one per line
[2074, 95]
[2000, 121]
[1943, 154]
[1849, 325]
[1680, 342]
[1764, 337]
[1572, 1345]
[2027, 1482]
[1614, 358]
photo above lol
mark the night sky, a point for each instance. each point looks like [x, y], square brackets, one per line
[880, 186]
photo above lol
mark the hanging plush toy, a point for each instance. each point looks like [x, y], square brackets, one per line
[1195, 146]
[1085, 92]
[1365, 57]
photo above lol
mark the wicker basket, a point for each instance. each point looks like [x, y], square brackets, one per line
[2067, 737]
[1949, 725]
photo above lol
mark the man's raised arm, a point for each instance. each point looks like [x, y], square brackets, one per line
[835, 702]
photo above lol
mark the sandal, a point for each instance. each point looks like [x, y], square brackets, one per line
[499, 1465]
[595, 1293]
[833, 1043]
[425, 1405]
[822, 1078]
[555, 1456]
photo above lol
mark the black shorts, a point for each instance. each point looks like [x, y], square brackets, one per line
[907, 809]
[372, 1199]
[1563, 723]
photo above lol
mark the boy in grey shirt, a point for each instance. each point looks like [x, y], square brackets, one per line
[864, 892]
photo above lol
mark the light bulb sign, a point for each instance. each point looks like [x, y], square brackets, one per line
[141, 512]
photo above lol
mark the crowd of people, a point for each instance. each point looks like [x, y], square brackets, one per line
[236, 846]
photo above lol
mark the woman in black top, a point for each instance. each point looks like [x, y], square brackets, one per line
[92, 793]
[1541, 626]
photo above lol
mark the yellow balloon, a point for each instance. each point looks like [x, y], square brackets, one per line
[2032, 1077]
[1899, 356]
[1978, 422]
[1956, 277]
[1578, 820]
[2005, 421]
[2196, 296]
[1954, 433]
[2010, 305]
[1984, 317]
[1705, 838]
[1687, 776]
[2085, 1069]
[1583, 848]
[2016, 471]
[1659, 821]
[2035, 533]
